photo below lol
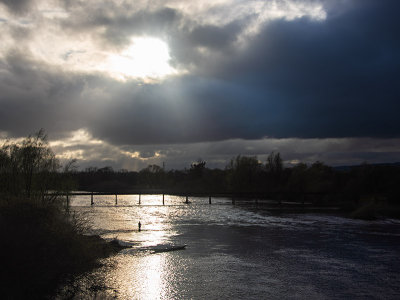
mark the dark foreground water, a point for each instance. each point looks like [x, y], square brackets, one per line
[237, 252]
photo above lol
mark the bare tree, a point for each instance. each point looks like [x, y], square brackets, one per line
[30, 169]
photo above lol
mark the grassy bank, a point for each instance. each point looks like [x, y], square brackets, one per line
[42, 247]
[372, 210]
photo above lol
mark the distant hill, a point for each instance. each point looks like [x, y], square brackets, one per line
[348, 168]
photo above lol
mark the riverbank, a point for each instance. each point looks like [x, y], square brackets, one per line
[44, 247]
[374, 210]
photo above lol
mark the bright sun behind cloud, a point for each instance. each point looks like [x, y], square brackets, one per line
[146, 58]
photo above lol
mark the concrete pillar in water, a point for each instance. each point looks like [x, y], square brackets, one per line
[187, 199]
[91, 199]
[116, 199]
[209, 200]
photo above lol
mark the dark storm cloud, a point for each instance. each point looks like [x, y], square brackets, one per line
[17, 6]
[215, 37]
[34, 95]
[189, 42]
[333, 78]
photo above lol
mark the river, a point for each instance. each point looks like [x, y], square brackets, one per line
[236, 252]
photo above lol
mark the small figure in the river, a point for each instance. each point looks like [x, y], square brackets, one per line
[140, 226]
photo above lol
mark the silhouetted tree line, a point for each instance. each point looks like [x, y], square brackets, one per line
[246, 175]
[30, 170]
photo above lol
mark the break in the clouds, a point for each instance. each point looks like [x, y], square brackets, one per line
[145, 79]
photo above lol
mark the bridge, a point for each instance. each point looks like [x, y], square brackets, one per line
[270, 199]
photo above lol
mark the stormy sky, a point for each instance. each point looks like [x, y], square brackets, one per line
[131, 83]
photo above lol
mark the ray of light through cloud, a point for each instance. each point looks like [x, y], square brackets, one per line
[134, 83]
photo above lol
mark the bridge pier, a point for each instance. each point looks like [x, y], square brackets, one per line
[139, 198]
[91, 199]
[187, 200]
[209, 200]
[116, 199]
[163, 203]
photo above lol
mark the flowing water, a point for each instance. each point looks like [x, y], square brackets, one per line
[237, 252]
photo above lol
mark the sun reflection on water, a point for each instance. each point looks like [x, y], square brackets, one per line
[141, 278]
[137, 272]
[143, 275]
